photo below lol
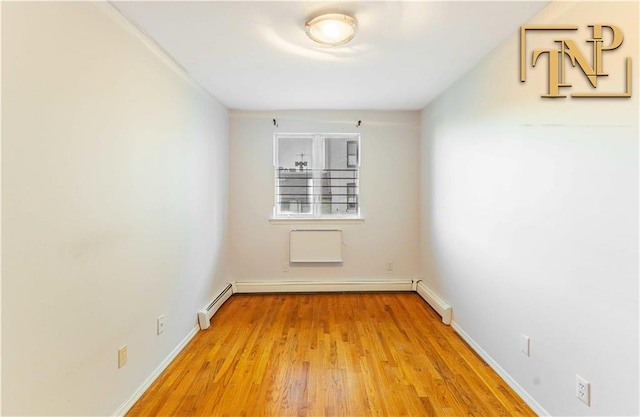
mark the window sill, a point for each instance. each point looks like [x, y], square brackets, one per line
[315, 220]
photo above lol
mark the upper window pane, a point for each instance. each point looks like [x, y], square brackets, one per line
[295, 153]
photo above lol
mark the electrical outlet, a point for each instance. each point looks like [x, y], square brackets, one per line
[160, 323]
[525, 344]
[285, 267]
[122, 356]
[389, 265]
[583, 390]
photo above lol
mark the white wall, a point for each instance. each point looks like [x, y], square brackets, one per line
[388, 196]
[114, 183]
[529, 219]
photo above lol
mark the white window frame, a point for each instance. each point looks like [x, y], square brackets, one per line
[317, 160]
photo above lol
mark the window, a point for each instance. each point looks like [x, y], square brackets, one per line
[316, 175]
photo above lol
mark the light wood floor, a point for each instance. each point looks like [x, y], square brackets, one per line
[328, 355]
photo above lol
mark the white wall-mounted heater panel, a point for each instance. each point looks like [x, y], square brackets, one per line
[315, 246]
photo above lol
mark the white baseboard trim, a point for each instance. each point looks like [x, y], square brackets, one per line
[322, 286]
[124, 408]
[537, 408]
[435, 302]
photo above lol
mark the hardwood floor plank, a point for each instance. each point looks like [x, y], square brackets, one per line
[310, 355]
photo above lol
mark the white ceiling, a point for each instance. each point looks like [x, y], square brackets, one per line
[256, 55]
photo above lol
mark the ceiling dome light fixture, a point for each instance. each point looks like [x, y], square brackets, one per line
[331, 29]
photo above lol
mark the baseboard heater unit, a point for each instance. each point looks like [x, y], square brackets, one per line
[437, 303]
[315, 246]
[204, 315]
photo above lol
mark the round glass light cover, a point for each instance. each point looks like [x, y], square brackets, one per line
[331, 29]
